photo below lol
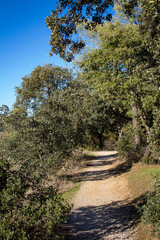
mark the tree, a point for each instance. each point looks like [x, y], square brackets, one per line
[148, 19]
[26, 208]
[115, 71]
[42, 120]
[104, 121]
[4, 112]
[147, 16]
[68, 15]
[40, 85]
[64, 20]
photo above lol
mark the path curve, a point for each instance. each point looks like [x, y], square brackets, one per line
[102, 206]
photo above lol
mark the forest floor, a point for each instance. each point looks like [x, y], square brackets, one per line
[103, 208]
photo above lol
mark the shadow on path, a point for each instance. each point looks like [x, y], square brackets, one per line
[114, 220]
[100, 174]
[97, 222]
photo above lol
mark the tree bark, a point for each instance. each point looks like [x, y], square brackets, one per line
[147, 150]
[145, 124]
[135, 126]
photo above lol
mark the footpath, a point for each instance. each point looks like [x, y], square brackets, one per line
[102, 206]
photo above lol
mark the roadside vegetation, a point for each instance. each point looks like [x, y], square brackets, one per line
[143, 183]
[112, 102]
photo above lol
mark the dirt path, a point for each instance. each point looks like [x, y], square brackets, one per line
[102, 206]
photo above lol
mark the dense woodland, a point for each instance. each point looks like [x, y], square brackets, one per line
[111, 102]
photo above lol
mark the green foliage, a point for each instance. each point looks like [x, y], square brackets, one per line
[146, 13]
[40, 85]
[126, 143]
[29, 211]
[124, 70]
[54, 114]
[148, 20]
[48, 127]
[155, 139]
[104, 120]
[151, 210]
[48, 120]
[4, 112]
[150, 17]
[43, 129]
[38, 132]
[114, 70]
[39, 218]
[64, 20]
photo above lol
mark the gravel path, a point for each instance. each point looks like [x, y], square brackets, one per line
[102, 206]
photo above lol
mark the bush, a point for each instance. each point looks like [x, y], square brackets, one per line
[151, 210]
[125, 144]
[29, 212]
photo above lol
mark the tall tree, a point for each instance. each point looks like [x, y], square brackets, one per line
[115, 70]
[63, 21]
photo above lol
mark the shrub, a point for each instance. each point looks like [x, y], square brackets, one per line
[29, 213]
[125, 144]
[151, 210]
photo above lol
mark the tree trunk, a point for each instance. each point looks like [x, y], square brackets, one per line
[147, 150]
[100, 138]
[145, 124]
[135, 126]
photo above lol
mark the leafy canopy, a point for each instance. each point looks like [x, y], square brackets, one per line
[40, 85]
[64, 20]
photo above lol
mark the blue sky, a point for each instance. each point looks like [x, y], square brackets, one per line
[24, 42]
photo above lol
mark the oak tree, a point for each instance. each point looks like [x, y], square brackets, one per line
[64, 20]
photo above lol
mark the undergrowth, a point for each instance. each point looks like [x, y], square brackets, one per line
[151, 210]
[145, 190]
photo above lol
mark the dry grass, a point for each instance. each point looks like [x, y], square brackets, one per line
[60, 178]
